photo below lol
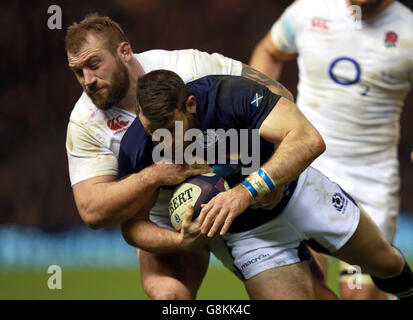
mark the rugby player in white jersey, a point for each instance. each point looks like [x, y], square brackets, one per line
[354, 75]
[104, 64]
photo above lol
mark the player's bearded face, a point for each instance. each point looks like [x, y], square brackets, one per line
[106, 94]
[367, 7]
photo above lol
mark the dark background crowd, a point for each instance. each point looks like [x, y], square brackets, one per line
[38, 90]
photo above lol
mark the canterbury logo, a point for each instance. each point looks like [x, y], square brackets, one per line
[117, 123]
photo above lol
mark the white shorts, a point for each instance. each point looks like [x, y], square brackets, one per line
[374, 186]
[319, 212]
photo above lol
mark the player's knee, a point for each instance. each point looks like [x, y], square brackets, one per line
[167, 293]
[365, 291]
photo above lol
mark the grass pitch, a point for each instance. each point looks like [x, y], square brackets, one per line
[114, 284]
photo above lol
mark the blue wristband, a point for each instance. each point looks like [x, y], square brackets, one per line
[250, 188]
[266, 179]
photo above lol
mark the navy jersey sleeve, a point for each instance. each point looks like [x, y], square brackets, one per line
[244, 101]
[135, 151]
[125, 165]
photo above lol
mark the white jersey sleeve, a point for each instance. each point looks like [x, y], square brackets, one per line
[93, 139]
[190, 64]
[94, 136]
[87, 156]
[285, 28]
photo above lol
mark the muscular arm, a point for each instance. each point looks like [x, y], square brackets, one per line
[299, 142]
[261, 78]
[105, 201]
[140, 232]
[268, 59]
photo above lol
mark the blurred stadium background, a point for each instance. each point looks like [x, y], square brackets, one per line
[39, 223]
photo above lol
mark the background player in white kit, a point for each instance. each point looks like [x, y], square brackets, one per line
[353, 79]
[104, 64]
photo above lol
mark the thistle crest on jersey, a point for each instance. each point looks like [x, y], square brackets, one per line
[391, 39]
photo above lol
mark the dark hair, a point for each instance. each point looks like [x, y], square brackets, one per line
[103, 27]
[159, 94]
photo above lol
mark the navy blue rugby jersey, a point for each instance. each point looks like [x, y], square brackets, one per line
[223, 102]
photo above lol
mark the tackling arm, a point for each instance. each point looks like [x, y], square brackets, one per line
[104, 201]
[140, 232]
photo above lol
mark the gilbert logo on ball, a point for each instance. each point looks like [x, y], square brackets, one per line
[194, 191]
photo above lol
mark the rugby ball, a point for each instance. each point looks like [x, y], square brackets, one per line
[195, 191]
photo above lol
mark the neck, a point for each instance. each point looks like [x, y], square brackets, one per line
[129, 102]
[380, 8]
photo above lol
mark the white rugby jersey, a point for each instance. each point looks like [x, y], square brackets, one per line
[353, 75]
[93, 136]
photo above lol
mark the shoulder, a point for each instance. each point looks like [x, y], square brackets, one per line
[83, 110]
[164, 59]
[402, 14]
[220, 85]
[190, 64]
[398, 20]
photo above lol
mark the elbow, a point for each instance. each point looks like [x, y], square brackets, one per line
[127, 234]
[318, 146]
[93, 222]
[92, 219]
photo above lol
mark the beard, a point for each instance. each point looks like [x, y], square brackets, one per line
[367, 8]
[113, 93]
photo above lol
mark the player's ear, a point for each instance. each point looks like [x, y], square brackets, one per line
[191, 104]
[125, 51]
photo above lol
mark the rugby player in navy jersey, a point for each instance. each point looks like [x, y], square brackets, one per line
[266, 246]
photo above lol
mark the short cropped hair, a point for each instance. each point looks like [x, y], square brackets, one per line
[159, 94]
[101, 26]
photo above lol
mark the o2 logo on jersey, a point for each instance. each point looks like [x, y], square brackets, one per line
[348, 81]
[342, 81]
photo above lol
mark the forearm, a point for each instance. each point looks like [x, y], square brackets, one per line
[148, 236]
[105, 204]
